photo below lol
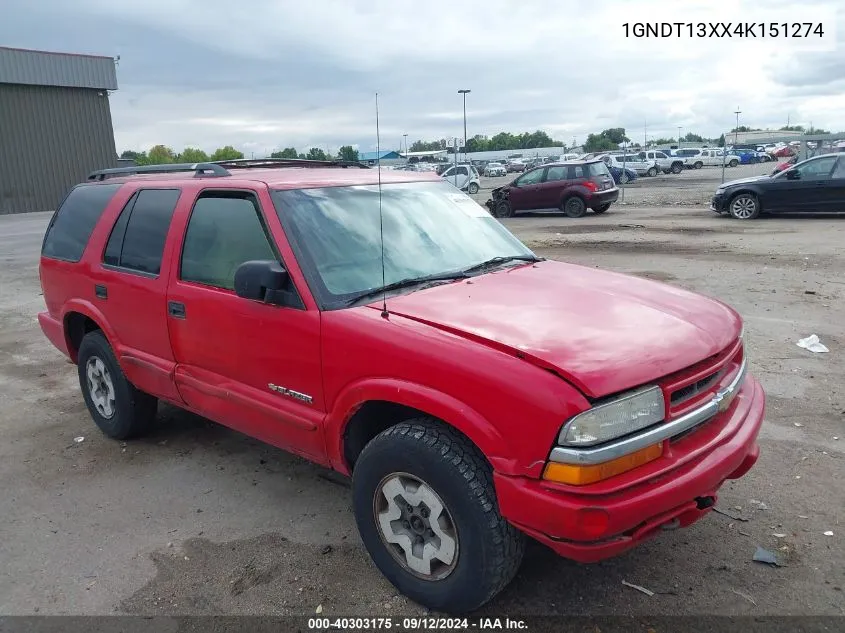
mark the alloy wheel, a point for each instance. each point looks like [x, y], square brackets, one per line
[100, 387]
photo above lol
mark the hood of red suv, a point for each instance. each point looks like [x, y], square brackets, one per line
[604, 332]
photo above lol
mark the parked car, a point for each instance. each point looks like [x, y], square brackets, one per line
[783, 152]
[326, 311]
[784, 165]
[815, 185]
[571, 187]
[630, 161]
[622, 176]
[515, 166]
[711, 158]
[495, 169]
[464, 177]
[664, 162]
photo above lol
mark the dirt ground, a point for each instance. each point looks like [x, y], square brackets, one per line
[197, 519]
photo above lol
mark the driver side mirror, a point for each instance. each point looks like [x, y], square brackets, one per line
[793, 174]
[266, 281]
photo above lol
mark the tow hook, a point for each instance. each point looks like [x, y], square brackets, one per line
[702, 503]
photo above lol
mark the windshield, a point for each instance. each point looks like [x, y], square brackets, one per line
[430, 228]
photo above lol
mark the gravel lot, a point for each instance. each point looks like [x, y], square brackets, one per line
[197, 519]
[691, 187]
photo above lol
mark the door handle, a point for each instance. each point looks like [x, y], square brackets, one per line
[176, 309]
[100, 291]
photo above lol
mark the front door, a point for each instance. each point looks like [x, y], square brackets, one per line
[836, 191]
[550, 189]
[525, 192]
[803, 188]
[249, 365]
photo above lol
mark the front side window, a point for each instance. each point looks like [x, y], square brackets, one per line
[429, 228]
[72, 225]
[839, 170]
[530, 178]
[225, 230]
[817, 169]
[137, 239]
[556, 173]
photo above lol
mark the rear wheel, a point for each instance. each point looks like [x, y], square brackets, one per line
[473, 188]
[427, 512]
[745, 206]
[652, 172]
[602, 208]
[574, 207]
[503, 209]
[624, 178]
[117, 407]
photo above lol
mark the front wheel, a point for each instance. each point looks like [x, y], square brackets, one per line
[733, 163]
[473, 188]
[602, 208]
[698, 165]
[677, 168]
[652, 172]
[503, 209]
[427, 512]
[745, 206]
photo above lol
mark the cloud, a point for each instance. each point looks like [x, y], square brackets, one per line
[208, 73]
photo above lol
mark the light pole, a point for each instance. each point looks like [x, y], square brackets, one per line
[679, 137]
[465, 93]
[737, 112]
[406, 146]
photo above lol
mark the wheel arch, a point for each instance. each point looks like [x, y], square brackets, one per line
[745, 190]
[78, 319]
[365, 409]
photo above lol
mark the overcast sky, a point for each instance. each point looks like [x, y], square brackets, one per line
[265, 74]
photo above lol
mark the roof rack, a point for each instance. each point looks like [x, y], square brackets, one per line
[247, 163]
[199, 169]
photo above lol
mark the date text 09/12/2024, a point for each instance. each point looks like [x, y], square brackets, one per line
[422, 623]
[739, 30]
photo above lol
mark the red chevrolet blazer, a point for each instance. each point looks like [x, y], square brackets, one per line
[393, 330]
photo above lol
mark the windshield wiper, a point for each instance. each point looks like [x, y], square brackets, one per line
[495, 261]
[406, 283]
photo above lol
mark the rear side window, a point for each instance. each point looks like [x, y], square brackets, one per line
[224, 232]
[137, 239]
[73, 223]
[597, 169]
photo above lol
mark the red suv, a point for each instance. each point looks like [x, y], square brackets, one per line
[571, 187]
[397, 333]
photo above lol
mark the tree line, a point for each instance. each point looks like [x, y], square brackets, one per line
[497, 142]
[163, 155]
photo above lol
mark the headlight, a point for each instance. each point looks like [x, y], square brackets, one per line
[614, 419]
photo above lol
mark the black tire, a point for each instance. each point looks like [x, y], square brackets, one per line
[473, 188]
[602, 208]
[733, 163]
[488, 549]
[652, 172]
[677, 168]
[698, 165]
[574, 207]
[502, 209]
[133, 411]
[744, 206]
[624, 178]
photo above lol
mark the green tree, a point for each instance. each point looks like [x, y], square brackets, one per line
[478, 143]
[348, 153]
[425, 146]
[792, 128]
[663, 141]
[615, 134]
[192, 155]
[693, 138]
[599, 143]
[721, 141]
[745, 128]
[131, 154]
[160, 155]
[315, 153]
[288, 152]
[226, 153]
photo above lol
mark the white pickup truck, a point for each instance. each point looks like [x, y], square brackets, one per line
[711, 158]
[664, 161]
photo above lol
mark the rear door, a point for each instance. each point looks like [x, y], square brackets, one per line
[524, 194]
[130, 288]
[249, 365]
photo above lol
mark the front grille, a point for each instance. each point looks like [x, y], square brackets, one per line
[685, 393]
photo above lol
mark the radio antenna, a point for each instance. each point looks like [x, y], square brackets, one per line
[384, 312]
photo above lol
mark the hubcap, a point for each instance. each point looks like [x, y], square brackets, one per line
[100, 387]
[743, 207]
[415, 526]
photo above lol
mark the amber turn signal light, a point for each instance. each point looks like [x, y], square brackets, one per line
[581, 475]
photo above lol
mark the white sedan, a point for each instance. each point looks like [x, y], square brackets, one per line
[495, 169]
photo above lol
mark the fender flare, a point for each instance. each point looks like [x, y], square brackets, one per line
[430, 401]
[90, 310]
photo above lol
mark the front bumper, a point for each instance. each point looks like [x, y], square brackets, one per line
[590, 523]
[719, 203]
